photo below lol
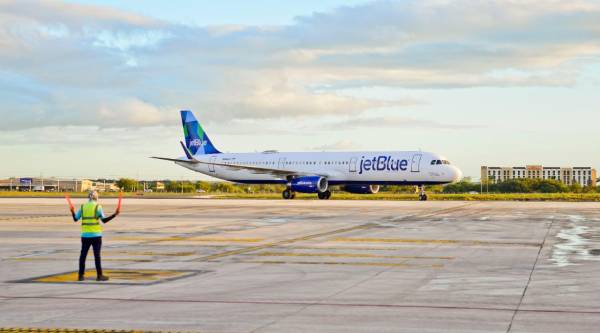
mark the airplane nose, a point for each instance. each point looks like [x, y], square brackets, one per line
[457, 175]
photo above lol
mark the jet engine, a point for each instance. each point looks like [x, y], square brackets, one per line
[362, 188]
[309, 184]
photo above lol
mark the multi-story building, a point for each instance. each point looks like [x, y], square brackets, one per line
[585, 176]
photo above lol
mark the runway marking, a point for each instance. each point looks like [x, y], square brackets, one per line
[117, 277]
[300, 303]
[283, 242]
[376, 264]
[71, 259]
[431, 241]
[190, 239]
[150, 253]
[345, 255]
[70, 330]
[3, 219]
[313, 236]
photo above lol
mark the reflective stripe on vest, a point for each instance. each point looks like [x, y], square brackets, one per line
[89, 221]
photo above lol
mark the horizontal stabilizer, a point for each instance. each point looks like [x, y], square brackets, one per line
[186, 151]
[175, 160]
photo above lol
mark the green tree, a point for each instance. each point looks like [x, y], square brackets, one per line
[575, 188]
[549, 186]
[464, 186]
[127, 184]
[204, 186]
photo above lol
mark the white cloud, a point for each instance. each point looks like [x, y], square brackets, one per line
[339, 145]
[69, 64]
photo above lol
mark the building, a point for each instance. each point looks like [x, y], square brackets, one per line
[585, 176]
[159, 186]
[46, 184]
[103, 186]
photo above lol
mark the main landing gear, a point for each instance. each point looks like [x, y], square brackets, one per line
[422, 194]
[288, 194]
[324, 195]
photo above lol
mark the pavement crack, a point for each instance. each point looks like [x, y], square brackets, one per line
[537, 259]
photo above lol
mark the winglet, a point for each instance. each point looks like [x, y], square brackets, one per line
[186, 150]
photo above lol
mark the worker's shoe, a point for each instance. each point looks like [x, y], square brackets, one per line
[102, 278]
[81, 278]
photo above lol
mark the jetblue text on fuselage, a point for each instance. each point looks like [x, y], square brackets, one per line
[382, 163]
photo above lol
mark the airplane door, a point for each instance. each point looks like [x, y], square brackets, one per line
[281, 163]
[352, 165]
[416, 162]
[211, 166]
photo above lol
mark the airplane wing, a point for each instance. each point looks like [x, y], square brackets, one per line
[256, 170]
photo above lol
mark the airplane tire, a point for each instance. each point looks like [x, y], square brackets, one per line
[287, 194]
[422, 197]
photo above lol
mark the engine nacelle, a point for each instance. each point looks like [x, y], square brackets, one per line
[362, 189]
[309, 184]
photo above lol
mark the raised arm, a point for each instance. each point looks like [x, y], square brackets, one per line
[76, 216]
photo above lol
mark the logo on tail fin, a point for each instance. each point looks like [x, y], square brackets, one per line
[196, 139]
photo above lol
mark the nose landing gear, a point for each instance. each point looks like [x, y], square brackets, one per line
[422, 194]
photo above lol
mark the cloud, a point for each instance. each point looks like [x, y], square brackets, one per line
[65, 64]
[339, 145]
[394, 122]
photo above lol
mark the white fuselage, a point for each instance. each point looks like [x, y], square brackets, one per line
[394, 167]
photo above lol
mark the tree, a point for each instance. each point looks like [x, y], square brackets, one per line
[127, 184]
[464, 186]
[204, 186]
[575, 188]
[550, 186]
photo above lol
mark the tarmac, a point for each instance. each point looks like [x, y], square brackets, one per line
[202, 265]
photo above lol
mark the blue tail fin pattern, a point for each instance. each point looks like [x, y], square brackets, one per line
[196, 139]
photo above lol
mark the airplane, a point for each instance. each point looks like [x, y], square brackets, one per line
[360, 172]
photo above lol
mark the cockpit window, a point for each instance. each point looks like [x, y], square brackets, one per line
[438, 162]
[433, 162]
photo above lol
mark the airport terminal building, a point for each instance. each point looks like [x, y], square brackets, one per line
[54, 184]
[585, 176]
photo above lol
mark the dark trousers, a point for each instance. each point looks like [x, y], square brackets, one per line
[96, 244]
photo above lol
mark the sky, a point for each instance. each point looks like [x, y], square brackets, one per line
[93, 88]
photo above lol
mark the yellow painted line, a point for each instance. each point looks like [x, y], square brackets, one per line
[396, 240]
[190, 239]
[150, 253]
[377, 264]
[68, 330]
[383, 248]
[144, 275]
[59, 259]
[313, 236]
[345, 255]
[429, 241]
[283, 242]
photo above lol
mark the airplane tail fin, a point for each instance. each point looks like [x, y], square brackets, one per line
[196, 140]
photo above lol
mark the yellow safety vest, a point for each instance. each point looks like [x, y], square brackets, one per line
[89, 222]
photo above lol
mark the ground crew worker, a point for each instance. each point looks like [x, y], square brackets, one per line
[91, 232]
